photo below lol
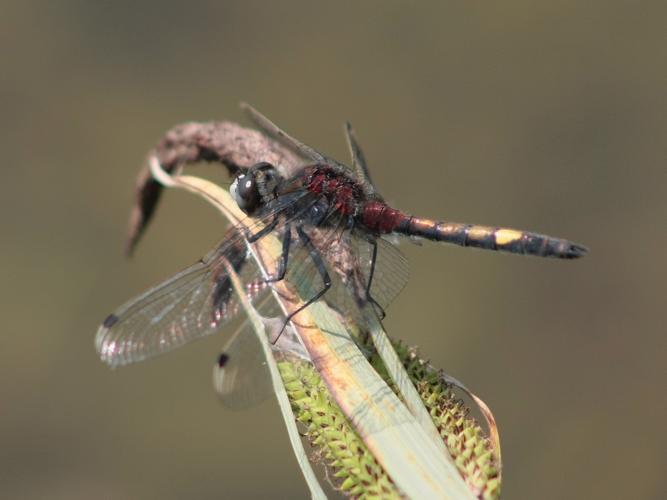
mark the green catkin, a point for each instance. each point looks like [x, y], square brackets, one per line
[354, 470]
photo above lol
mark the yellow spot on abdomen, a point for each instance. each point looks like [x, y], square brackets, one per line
[479, 233]
[505, 236]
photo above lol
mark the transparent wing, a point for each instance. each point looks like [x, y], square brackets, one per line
[275, 132]
[359, 259]
[192, 304]
[358, 160]
[391, 271]
[241, 377]
[353, 260]
[324, 252]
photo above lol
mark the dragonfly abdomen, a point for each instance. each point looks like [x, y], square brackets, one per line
[381, 218]
[491, 238]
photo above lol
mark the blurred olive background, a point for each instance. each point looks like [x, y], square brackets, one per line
[548, 117]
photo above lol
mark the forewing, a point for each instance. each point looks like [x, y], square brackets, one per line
[197, 301]
[275, 132]
[192, 304]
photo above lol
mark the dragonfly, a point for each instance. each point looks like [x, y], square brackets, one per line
[337, 235]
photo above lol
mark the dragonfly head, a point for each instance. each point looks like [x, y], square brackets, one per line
[253, 188]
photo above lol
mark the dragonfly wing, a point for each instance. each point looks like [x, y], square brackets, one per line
[192, 304]
[241, 377]
[358, 160]
[275, 132]
[391, 271]
[358, 259]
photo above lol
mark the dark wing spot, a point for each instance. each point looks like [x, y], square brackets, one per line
[223, 359]
[110, 321]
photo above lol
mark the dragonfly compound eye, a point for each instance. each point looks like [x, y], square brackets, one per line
[245, 193]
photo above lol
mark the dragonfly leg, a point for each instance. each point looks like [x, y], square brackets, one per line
[321, 269]
[284, 255]
[380, 310]
[252, 238]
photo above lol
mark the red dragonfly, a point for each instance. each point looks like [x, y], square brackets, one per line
[335, 229]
